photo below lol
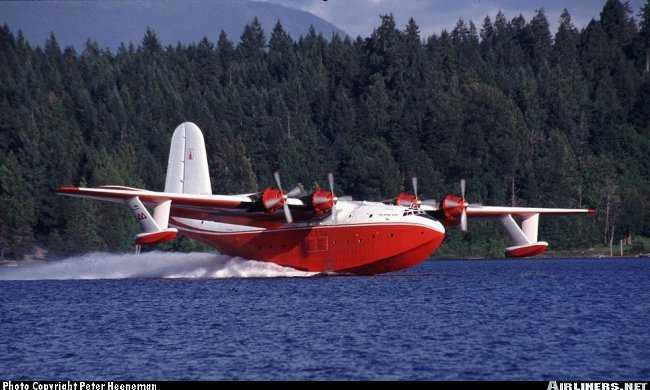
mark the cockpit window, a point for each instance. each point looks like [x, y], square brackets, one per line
[413, 211]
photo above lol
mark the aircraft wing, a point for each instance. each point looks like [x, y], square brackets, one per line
[190, 205]
[523, 235]
[475, 210]
[498, 211]
[119, 194]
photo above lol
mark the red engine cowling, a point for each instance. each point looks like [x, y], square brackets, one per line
[452, 207]
[405, 199]
[322, 201]
[272, 199]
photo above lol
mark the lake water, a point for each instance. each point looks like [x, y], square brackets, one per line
[204, 316]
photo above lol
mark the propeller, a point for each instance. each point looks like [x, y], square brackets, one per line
[407, 199]
[285, 196]
[462, 188]
[414, 183]
[322, 201]
[430, 202]
[463, 221]
[454, 208]
[463, 214]
[297, 191]
[330, 180]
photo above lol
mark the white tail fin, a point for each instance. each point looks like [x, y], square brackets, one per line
[187, 169]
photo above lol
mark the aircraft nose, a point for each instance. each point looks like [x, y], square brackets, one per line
[432, 224]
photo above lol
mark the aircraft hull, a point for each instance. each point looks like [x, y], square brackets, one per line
[363, 249]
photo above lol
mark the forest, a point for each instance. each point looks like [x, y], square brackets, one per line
[528, 116]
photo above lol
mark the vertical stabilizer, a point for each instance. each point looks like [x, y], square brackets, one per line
[187, 169]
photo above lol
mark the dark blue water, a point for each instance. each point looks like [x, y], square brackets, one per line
[492, 319]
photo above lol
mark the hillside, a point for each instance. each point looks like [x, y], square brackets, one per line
[112, 22]
[528, 116]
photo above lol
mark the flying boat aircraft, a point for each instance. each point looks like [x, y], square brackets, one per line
[317, 231]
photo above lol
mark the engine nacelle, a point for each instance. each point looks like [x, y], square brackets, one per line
[407, 200]
[452, 207]
[322, 201]
[272, 199]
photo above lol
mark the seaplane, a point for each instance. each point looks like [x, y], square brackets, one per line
[317, 231]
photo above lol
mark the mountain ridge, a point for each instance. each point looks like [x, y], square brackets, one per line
[111, 23]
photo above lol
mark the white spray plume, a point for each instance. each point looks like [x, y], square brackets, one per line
[99, 265]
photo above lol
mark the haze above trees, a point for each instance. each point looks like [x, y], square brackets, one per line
[111, 22]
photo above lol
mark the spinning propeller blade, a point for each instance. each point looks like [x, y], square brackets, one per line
[296, 192]
[414, 182]
[330, 179]
[285, 206]
[462, 188]
[463, 215]
[430, 202]
[463, 221]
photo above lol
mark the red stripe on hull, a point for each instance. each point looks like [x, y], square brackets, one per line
[360, 249]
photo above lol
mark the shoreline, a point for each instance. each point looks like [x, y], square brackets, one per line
[569, 255]
[599, 257]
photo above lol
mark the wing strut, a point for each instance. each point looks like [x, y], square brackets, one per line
[156, 228]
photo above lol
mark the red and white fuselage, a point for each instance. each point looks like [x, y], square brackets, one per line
[362, 238]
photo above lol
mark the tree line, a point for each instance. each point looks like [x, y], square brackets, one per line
[528, 117]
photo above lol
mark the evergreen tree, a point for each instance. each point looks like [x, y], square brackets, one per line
[645, 33]
[252, 41]
[282, 59]
[18, 210]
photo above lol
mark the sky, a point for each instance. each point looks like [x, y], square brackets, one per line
[360, 17]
